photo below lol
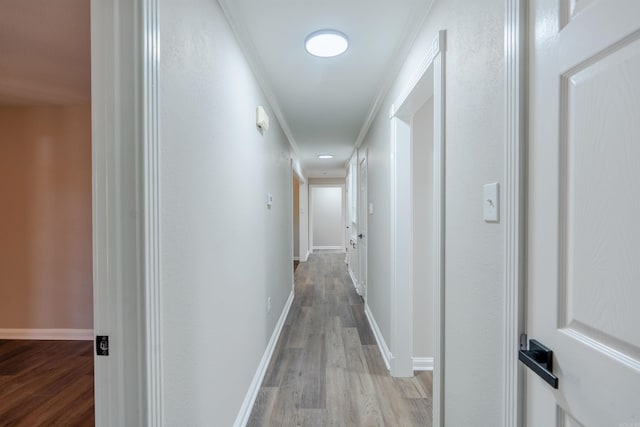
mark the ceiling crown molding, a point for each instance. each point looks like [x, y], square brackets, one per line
[415, 22]
[253, 59]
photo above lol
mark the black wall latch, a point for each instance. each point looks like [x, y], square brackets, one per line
[540, 360]
[102, 345]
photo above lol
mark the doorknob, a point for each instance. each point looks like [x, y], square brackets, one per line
[360, 235]
[540, 360]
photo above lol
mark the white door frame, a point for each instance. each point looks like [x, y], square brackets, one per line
[513, 200]
[362, 245]
[126, 251]
[428, 80]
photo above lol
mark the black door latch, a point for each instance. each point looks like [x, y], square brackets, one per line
[540, 360]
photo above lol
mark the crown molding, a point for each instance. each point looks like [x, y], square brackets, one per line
[253, 59]
[414, 25]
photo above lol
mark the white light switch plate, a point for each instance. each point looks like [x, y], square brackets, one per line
[491, 201]
[370, 208]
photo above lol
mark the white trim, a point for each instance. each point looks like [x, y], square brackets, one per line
[411, 33]
[514, 210]
[422, 363]
[353, 280]
[47, 334]
[151, 218]
[401, 115]
[439, 138]
[401, 249]
[259, 71]
[117, 121]
[306, 257]
[382, 344]
[296, 258]
[245, 410]
[336, 248]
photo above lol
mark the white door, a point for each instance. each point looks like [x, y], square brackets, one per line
[362, 227]
[584, 211]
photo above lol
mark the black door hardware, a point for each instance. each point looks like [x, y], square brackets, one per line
[361, 235]
[540, 360]
[102, 345]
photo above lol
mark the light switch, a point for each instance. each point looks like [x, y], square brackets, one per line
[491, 201]
[269, 200]
[370, 208]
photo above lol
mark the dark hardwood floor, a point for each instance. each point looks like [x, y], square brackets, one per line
[327, 369]
[46, 383]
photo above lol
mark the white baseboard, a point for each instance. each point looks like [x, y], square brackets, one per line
[332, 248]
[296, 258]
[47, 334]
[422, 363]
[305, 258]
[353, 279]
[382, 345]
[245, 410]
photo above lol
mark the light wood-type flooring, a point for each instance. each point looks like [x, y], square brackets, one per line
[46, 383]
[327, 369]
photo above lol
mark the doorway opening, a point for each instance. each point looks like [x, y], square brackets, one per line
[422, 236]
[327, 217]
[296, 220]
[417, 186]
[46, 285]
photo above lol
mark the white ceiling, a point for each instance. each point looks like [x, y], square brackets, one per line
[325, 104]
[45, 55]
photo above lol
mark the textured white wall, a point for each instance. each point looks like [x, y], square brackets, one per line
[474, 249]
[223, 251]
[327, 216]
[422, 169]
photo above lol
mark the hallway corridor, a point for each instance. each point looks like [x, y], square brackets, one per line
[327, 369]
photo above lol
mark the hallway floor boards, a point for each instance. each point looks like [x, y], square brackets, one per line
[327, 369]
[46, 383]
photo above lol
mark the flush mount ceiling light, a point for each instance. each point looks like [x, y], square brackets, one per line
[326, 43]
[325, 156]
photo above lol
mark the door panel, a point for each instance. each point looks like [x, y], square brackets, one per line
[601, 147]
[584, 210]
[362, 227]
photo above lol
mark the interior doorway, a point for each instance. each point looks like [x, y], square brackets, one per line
[423, 98]
[46, 284]
[296, 220]
[327, 217]
[422, 235]
[363, 216]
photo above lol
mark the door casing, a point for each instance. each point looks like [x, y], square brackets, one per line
[427, 81]
[126, 204]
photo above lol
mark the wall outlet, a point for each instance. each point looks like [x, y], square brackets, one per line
[269, 305]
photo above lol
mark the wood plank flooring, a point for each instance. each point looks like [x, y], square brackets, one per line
[46, 383]
[327, 369]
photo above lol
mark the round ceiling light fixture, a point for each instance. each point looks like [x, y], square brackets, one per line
[326, 43]
[325, 156]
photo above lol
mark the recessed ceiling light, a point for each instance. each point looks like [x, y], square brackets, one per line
[325, 156]
[326, 43]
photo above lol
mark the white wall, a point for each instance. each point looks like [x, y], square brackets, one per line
[474, 249]
[327, 217]
[422, 181]
[223, 251]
